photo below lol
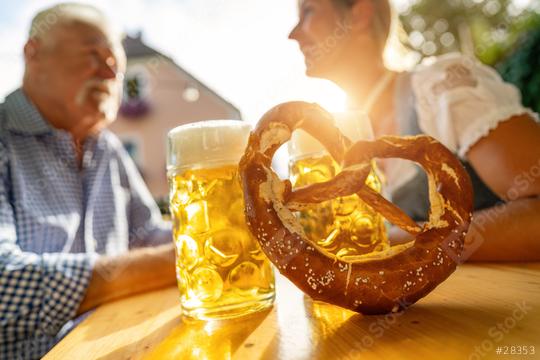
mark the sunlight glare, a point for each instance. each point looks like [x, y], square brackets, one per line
[329, 96]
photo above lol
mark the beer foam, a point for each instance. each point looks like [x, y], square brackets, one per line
[353, 124]
[207, 143]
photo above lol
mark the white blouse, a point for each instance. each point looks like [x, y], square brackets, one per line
[459, 100]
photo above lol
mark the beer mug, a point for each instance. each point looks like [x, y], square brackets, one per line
[344, 226]
[221, 270]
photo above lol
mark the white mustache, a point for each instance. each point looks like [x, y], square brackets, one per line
[109, 103]
[98, 84]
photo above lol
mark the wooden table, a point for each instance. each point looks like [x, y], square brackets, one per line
[479, 308]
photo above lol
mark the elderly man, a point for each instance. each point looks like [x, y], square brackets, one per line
[72, 204]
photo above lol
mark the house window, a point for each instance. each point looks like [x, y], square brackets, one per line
[135, 102]
[133, 87]
[133, 148]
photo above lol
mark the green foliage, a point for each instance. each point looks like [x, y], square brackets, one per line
[487, 28]
[522, 68]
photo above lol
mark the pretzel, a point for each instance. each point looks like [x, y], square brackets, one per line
[374, 283]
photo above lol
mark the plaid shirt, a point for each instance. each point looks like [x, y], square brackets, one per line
[56, 218]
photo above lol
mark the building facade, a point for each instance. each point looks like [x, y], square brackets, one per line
[158, 96]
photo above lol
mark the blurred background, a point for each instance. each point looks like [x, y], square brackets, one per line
[193, 60]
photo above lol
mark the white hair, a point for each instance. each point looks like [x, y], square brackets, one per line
[71, 13]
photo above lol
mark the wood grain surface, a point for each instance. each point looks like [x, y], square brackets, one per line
[479, 308]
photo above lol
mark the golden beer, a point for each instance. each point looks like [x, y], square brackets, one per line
[220, 267]
[344, 226]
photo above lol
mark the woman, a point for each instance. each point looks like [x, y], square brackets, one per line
[457, 100]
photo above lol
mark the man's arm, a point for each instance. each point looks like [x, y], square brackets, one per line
[148, 265]
[146, 226]
[138, 271]
[39, 293]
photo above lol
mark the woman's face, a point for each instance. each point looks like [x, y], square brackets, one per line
[322, 33]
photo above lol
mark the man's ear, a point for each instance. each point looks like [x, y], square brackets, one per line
[362, 14]
[31, 49]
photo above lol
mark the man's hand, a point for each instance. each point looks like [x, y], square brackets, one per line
[137, 271]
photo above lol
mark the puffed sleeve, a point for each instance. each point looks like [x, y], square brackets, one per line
[459, 100]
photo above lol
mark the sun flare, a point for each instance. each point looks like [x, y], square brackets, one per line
[330, 97]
